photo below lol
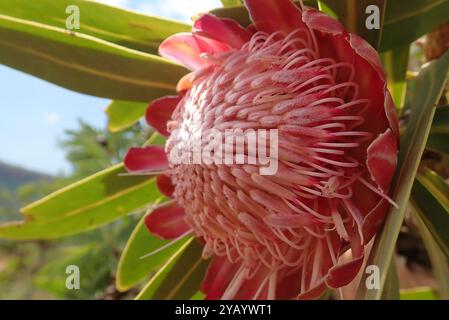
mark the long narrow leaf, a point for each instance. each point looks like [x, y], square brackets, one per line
[119, 26]
[439, 260]
[431, 196]
[395, 63]
[439, 134]
[132, 268]
[83, 206]
[180, 277]
[84, 63]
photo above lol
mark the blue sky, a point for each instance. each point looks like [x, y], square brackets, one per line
[34, 114]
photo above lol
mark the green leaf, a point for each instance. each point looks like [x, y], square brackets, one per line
[84, 63]
[430, 84]
[231, 3]
[126, 28]
[431, 195]
[439, 133]
[180, 277]
[352, 13]
[240, 13]
[132, 268]
[123, 114]
[83, 206]
[395, 63]
[198, 296]
[391, 289]
[406, 21]
[156, 139]
[439, 260]
[422, 293]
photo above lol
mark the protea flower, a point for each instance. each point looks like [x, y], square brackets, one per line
[299, 71]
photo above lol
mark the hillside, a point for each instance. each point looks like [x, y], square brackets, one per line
[12, 177]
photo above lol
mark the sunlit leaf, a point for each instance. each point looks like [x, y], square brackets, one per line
[84, 63]
[132, 267]
[198, 296]
[123, 114]
[82, 206]
[180, 277]
[421, 293]
[123, 27]
[430, 84]
[395, 63]
[231, 3]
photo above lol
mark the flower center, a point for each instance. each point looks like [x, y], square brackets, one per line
[274, 82]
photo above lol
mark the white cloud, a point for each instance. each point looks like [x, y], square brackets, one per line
[52, 118]
[181, 10]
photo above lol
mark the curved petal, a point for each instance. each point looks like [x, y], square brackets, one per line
[219, 274]
[343, 274]
[274, 15]
[222, 29]
[367, 52]
[382, 159]
[159, 113]
[313, 293]
[165, 185]
[186, 49]
[167, 221]
[374, 220]
[151, 158]
[186, 82]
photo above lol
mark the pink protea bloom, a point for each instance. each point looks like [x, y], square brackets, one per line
[299, 71]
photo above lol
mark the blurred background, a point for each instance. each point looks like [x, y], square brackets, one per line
[55, 137]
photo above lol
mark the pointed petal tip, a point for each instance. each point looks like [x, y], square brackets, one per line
[341, 275]
[165, 185]
[187, 49]
[159, 112]
[151, 158]
[382, 158]
[222, 29]
[271, 16]
[167, 222]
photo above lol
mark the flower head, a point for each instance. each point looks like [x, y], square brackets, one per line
[298, 71]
